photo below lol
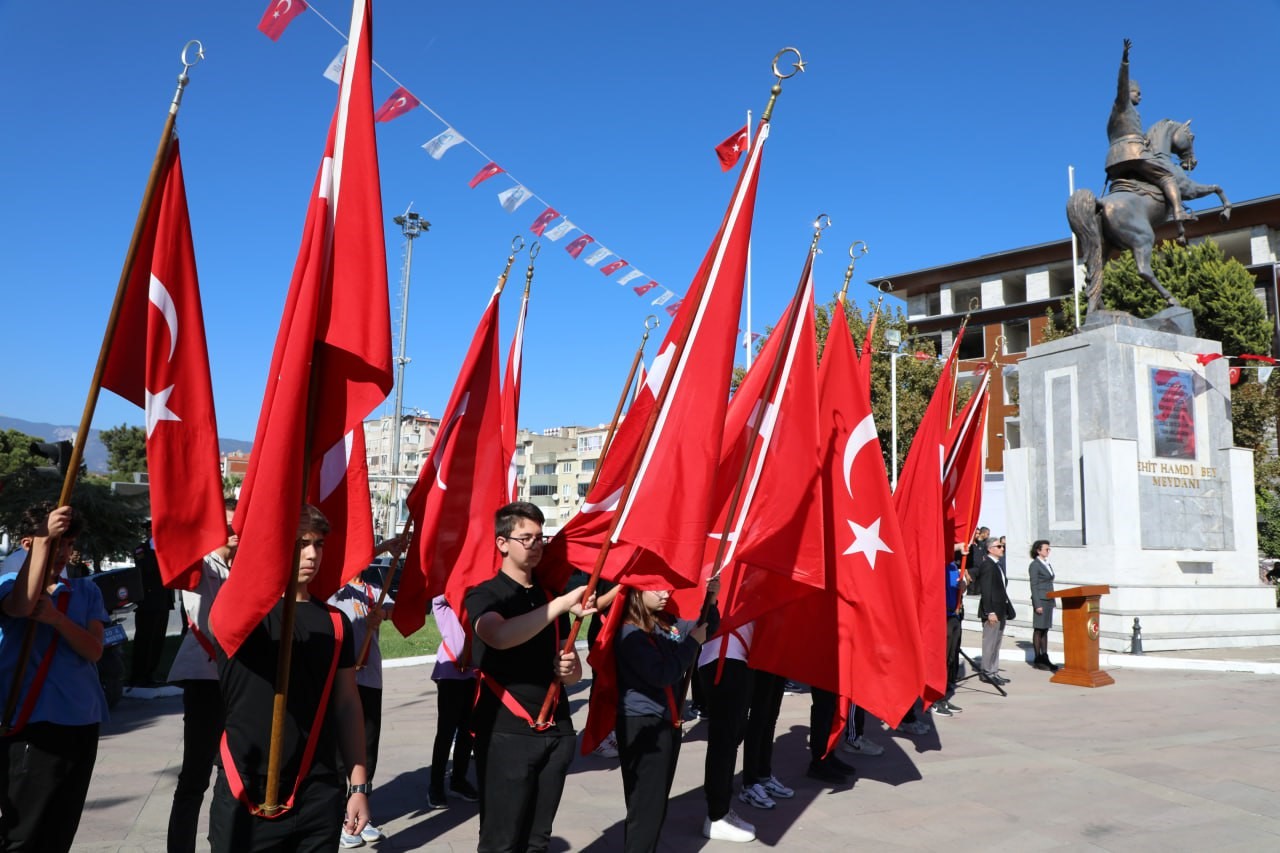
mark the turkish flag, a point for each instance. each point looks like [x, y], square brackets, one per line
[919, 501]
[488, 171]
[511, 398]
[400, 102]
[645, 288]
[612, 267]
[965, 463]
[575, 248]
[544, 219]
[602, 702]
[159, 361]
[462, 484]
[771, 547]
[731, 149]
[332, 360]
[277, 17]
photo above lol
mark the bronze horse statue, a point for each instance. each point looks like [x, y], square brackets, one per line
[1127, 216]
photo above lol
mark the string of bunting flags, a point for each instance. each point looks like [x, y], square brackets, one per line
[1266, 364]
[551, 224]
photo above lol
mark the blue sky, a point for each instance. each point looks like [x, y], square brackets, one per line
[933, 132]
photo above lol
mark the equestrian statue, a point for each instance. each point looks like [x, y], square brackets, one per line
[1146, 188]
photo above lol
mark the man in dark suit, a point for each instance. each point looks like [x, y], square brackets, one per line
[995, 609]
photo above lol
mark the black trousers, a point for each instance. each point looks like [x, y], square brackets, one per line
[454, 698]
[371, 702]
[44, 777]
[649, 748]
[762, 722]
[521, 780]
[311, 826]
[201, 732]
[149, 627]
[953, 651]
[727, 703]
[822, 716]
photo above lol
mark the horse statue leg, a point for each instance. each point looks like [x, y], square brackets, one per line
[1142, 260]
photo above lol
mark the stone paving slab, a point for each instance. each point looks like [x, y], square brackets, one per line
[1163, 760]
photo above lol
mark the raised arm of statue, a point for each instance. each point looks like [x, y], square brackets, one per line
[1122, 82]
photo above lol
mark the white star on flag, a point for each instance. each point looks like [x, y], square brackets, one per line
[157, 409]
[867, 541]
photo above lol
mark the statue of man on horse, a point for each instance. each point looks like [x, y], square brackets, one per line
[1147, 188]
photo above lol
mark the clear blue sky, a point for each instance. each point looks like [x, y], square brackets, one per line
[934, 132]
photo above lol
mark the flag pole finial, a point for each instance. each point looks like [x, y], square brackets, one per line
[533, 253]
[822, 223]
[517, 244]
[188, 62]
[652, 318]
[796, 68]
[854, 254]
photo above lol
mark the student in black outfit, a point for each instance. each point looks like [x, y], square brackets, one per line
[518, 631]
[317, 795]
[654, 652]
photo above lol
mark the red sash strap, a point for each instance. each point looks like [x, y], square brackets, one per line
[724, 651]
[509, 701]
[236, 784]
[42, 672]
[672, 707]
[200, 636]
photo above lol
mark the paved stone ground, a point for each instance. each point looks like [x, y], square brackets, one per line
[1163, 760]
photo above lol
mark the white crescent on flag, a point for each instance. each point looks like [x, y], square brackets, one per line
[160, 298]
[282, 7]
[862, 435]
[447, 430]
[866, 540]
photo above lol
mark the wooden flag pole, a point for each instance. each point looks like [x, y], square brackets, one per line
[622, 399]
[363, 657]
[95, 386]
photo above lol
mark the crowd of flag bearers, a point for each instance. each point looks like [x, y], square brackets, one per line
[746, 537]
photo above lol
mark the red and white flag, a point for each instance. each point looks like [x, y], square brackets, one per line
[613, 266]
[277, 18]
[511, 399]
[400, 102]
[674, 438]
[965, 462]
[159, 361]
[919, 501]
[579, 243]
[462, 484]
[486, 172]
[731, 149]
[332, 357]
[544, 219]
[642, 289]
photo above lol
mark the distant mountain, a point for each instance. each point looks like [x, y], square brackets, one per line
[95, 454]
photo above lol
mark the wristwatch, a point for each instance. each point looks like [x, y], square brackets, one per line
[365, 788]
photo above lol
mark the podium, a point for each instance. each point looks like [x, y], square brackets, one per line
[1080, 632]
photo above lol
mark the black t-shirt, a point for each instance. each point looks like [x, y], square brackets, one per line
[525, 670]
[248, 695]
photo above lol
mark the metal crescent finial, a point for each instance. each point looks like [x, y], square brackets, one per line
[191, 63]
[517, 243]
[534, 249]
[820, 224]
[656, 322]
[796, 68]
[885, 286]
[974, 304]
[855, 245]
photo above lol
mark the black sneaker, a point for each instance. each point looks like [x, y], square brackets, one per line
[940, 708]
[463, 790]
[823, 771]
[436, 799]
[840, 766]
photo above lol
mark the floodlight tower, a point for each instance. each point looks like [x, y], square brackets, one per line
[411, 225]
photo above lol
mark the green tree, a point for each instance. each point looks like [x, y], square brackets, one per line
[126, 450]
[15, 453]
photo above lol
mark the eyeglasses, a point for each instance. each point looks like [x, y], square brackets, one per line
[530, 539]
[997, 545]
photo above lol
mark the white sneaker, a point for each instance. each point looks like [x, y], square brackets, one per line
[608, 747]
[777, 789]
[729, 828]
[372, 833]
[862, 746]
[755, 795]
[347, 841]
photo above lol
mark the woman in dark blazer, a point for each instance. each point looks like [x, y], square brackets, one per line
[1041, 574]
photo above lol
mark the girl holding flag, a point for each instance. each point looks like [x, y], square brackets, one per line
[654, 651]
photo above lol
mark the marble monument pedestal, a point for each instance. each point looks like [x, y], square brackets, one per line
[1127, 467]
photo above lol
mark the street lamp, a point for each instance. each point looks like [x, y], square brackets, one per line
[893, 337]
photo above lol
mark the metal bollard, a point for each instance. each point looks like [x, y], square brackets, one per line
[1136, 647]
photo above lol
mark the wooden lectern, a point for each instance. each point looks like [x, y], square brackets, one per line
[1080, 632]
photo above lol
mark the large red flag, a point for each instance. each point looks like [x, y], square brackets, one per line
[964, 464]
[511, 399]
[919, 502]
[332, 359]
[602, 707]
[159, 361]
[277, 18]
[774, 549]
[459, 488]
[669, 505]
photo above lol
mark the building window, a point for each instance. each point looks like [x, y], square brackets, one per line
[544, 468]
[539, 490]
[1010, 373]
[566, 489]
[582, 490]
[962, 296]
[1014, 287]
[594, 441]
[588, 464]
[566, 467]
[1017, 336]
[1061, 282]
[973, 345]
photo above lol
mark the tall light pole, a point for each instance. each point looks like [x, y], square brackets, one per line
[411, 225]
[893, 338]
